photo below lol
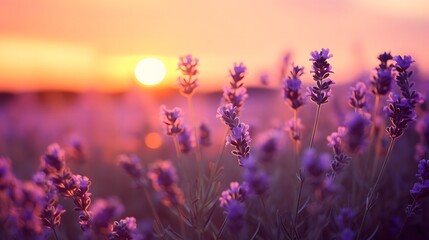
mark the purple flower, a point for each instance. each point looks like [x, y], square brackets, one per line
[228, 114]
[240, 139]
[334, 140]
[268, 145]
[162, 174]
[236, 191]
[188, 66]
[381, 83]
[422, 129]
[186, 140]
[403, 80]
[421, 188]
[235, 93]
[164, 179]
[54, 160]
[357, 131]
[292, 88]
[172, 118]
[357, 99]
[321, 70]
[6, 175]
[131, 165]
[204, 132]
[295, 132]
[255, 177]
[235, 215]
[125, 229]
[315, 167]
[400, 113]
[238, 72]
[323, 54]
[403, 63]
[103, 212]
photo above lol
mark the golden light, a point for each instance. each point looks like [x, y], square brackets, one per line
[150, 71]
[153, 140]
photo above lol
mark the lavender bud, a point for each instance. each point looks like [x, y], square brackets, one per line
[172, 118]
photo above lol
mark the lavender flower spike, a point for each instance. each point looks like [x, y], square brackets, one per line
[292, 88]
[188, 66]
[381, 83]
[240, 139]
[228, 114]
[420, 189]
[357, 99]
[321, 70]
[172, 118]
[125, 229]
[235, 92]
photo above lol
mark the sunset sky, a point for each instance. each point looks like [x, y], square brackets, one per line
[95, 44]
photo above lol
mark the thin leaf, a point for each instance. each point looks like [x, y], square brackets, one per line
[373, 233]
[256, 232]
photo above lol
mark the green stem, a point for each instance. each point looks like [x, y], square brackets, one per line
[301, 183]
[55, 234]
[374, 188]
[152, 208]
[315, 125]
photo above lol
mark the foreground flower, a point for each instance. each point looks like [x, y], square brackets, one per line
[321, 70]
[232, 201]
[357, 99]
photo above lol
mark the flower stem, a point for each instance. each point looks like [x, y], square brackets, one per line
[152, 208]
[374, 187]
[315, 125]
[406, 220]
[301, 183]
[55, 233]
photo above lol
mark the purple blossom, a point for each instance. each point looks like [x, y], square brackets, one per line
[235, 93]
[421, 187]
[164, 180]
[204, 132]
[131, 165]
[292, 88]
[188, 66]
[235, 215]
[54, 159]
[295, 132]
[357, 132]
[186, 140]
[321, 70]
[238, 72]
[236, 191]
[125, 229]
[316, 167]
[103, 212]
[162, 174]
[228, 114]
[240, 139]
[172, 118]
[335, 139]
[400, 113]
[422, 129]
[255, 177]
[345, 218]
[403, 63]
[357, 99]
[6, 175]
[381, 83]
[268, 145]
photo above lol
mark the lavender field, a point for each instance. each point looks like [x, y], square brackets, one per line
[312, 159]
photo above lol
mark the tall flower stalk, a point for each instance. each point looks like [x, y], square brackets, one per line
[292, 94]
[401, 111]
[188, 65]
[320, 93]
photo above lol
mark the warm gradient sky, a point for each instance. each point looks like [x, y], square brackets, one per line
[95, 44]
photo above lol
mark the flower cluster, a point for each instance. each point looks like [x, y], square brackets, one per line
[103, 212]
[235, 93]
[204, 138]
[295, 132]
[422, 128]
[232, 201]
[400, 113]
[172, 118]
[186, 140]
[357, 132]
[125, 229]
[315, 168]
[344, 220]
[403, 82]
[292, 88]
[164, 179]
[321, 70]
[132, 166]
[340, 158]
[255, 177]
[239, 132]
[381, 83]
[357, 99]
[420, 189]
[188, 66]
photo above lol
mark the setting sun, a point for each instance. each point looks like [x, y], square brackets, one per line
[150, 71]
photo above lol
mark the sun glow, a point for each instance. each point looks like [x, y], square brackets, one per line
[150, 71]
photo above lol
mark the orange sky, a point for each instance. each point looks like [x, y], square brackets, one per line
[95, 44]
